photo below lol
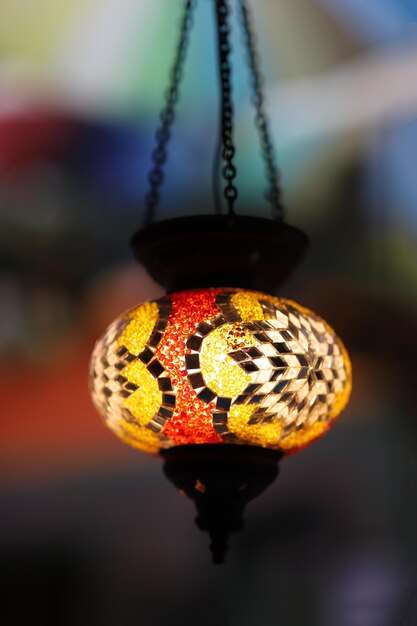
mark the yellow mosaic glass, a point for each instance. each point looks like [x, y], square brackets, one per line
[220, 372]
[301, 438]
[137, 333]
[146, 400]
[140, 438]
[247, 305]
[220, 365]
[265, 435]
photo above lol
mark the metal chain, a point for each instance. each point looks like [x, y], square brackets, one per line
[273, 194]
[163, 134]
[228, 148]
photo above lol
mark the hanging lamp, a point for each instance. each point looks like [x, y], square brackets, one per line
[219, 377]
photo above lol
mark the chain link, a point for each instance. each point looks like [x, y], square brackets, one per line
[163, 134]
[273, 194]
[228, 148]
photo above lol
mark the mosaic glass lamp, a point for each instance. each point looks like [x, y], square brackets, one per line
[219, 377]
[213, 366]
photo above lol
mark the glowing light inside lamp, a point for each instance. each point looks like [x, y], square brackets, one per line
[220, 365]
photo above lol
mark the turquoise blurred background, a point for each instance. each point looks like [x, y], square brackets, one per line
[90, 531]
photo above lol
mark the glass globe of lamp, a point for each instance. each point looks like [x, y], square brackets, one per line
[213, 366]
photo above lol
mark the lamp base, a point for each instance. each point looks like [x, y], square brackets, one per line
[219, 251]
[221, 479]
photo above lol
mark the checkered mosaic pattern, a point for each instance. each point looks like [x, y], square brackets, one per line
[110, 386]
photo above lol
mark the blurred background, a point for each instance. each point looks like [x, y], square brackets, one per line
[90, 530]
